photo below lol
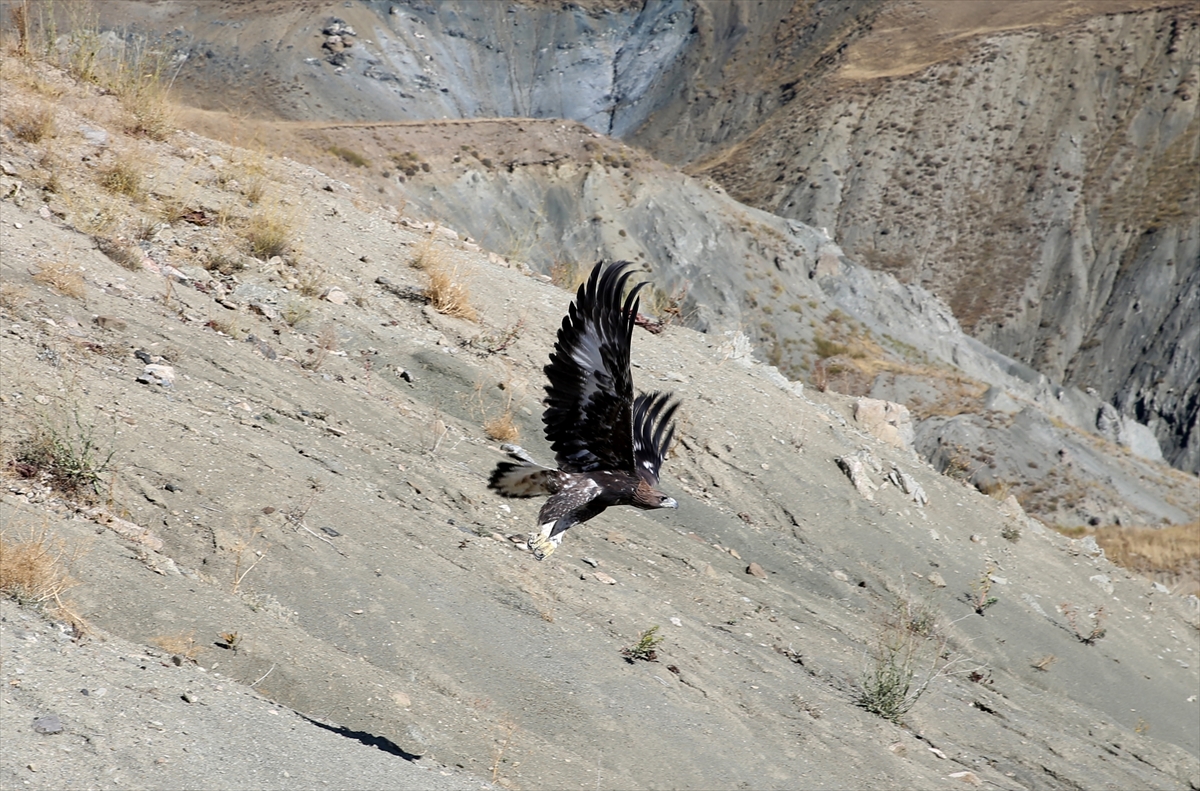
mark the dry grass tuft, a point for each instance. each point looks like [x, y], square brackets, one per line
[66, 279]
[183, 644]
[448, 293]
[502, 428]
[32, 123]
[145, 97]
[12, 296]
[35, 570]
[311, 281]
[428, 254]
[223, 261]
[122, 176]
[269, 231]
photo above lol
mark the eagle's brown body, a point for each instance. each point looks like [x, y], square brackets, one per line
[609, 446]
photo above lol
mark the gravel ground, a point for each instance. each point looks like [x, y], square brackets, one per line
[107, 713]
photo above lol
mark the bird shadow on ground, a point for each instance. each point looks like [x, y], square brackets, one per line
[369, 739]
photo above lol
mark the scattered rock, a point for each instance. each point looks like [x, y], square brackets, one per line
[967, 777]
[94, 135]
[602, 577]
[1103, 581]
[898, 748]
[336, 295]
[161, 375]
[886, 421]
[755, 570]
[401, 700]
[908, 485]
[936, 580]
[48, 724]
[591, 562]
[856, 471]
[110, 323]
[265, 310]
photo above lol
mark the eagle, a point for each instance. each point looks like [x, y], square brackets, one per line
[608, 445]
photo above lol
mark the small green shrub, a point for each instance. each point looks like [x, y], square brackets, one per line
[67, 451]
[350, 155]
[645, 648]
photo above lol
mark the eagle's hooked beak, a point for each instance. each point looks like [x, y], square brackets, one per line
[669, 503]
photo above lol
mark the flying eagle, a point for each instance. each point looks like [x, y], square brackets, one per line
[609, 446]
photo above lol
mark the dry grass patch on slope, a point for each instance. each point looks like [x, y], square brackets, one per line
[448, 292]
[66, 279]
[1169, 554]
[35, 569]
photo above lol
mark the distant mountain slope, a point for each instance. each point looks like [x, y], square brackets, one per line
[1033, 163]
[1045, 183]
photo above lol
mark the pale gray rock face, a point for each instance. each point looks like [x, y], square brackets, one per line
[1044, 185]
[1033, 207]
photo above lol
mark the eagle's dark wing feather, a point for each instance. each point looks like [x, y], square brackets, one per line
[652, 433]
[590, 395]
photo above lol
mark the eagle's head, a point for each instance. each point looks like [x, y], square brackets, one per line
[647, 498]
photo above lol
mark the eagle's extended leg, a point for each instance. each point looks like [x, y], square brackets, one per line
[545, 541]
[550, 532]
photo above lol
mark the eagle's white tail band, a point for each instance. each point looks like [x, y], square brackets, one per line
[523, 480]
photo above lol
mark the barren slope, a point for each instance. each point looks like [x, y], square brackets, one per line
[310, 475]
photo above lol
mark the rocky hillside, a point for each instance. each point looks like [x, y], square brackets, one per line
[1043, 182]
[258, 407]
[1057, 142]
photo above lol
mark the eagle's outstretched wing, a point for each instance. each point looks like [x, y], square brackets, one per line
[652, 433]
[589, 399]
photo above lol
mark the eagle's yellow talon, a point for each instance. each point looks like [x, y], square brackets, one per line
[541, 546]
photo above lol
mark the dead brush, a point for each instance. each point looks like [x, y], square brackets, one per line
[502, 428]
[508, 730]
[1169, 554]
[1091, 632]
[66, 279]
[35, 570]
[12, 296]
[326, 342]
[31, 123]
[500, 340]
[269, 231]
[428, 254]
[183, 644]
[448, 292]
[122, 176]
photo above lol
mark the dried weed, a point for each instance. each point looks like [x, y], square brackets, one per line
[66, 279]
[449, 293]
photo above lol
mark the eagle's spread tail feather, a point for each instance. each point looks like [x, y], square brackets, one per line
[522, 480]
